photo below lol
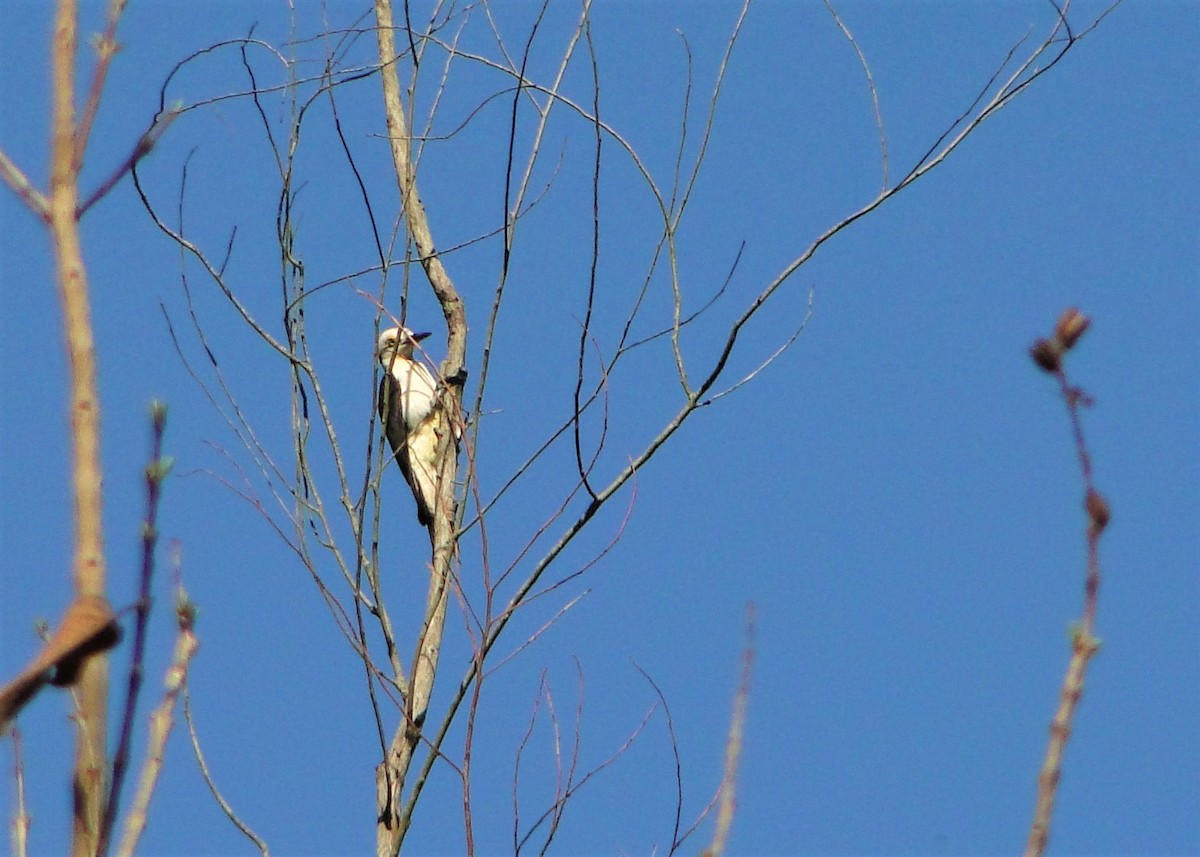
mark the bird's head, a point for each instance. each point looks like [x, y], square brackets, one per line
[397, 343]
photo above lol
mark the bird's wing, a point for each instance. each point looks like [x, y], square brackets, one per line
[410, 449]
[391, 411]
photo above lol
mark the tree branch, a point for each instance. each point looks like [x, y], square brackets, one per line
[91, 753]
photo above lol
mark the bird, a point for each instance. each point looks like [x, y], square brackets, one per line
[412, 417]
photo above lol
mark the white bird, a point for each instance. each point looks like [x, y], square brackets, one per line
[412, 419]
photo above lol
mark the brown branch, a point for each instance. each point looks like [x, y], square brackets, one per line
[1048, 354]
[155, 474]
[91, 751]
[144, 145]
[1083, 647]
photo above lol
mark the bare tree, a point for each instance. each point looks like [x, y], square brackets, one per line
[327, 501]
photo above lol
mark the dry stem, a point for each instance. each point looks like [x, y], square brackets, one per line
[91, 747]
[1048, 354]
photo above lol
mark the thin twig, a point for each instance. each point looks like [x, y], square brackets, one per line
[556, 807]
[808, 314]
[585, 330]
[144, 145]
[211, 783]
[513, 200]
[862, 59]
[106, 48]
[1049, 355]
[676, 840]
[155, 475]
[162, 719]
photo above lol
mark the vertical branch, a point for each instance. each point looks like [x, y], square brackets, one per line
[412, 207]
[586, 329]
[1048, 354]
[90, 747]
[162, 720]
[727, 795]
[392, 824]
[21, 821]
[155, 475]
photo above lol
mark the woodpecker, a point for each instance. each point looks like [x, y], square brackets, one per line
[411, 415]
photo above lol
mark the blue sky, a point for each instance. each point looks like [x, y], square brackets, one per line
[896, 495]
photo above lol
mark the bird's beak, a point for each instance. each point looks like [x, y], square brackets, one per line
[417, 337]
